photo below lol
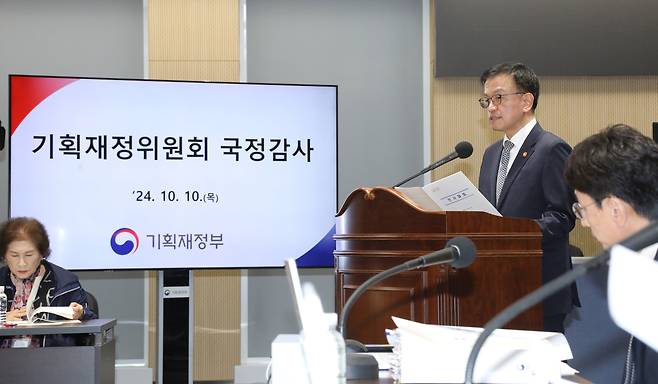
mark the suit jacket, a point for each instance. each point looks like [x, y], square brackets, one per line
[535, 188]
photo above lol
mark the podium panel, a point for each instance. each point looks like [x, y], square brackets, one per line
[378, 228]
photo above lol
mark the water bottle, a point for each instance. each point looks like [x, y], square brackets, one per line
[338, 345]
[3, 305]
[323, 345]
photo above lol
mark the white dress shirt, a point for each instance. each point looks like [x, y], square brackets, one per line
[518, 140]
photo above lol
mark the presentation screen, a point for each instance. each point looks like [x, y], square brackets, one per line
[144, 174]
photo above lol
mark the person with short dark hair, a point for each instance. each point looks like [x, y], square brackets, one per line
[523, 175]
[615, 175]
[24, 248]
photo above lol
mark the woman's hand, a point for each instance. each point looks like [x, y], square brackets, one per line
[17, 314]
[78, 310]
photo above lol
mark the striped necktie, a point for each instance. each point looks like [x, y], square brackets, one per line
[502, 168]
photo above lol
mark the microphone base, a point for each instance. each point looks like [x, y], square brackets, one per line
[361, 366]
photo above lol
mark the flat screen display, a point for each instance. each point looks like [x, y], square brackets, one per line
[144, 174]
[555, 38]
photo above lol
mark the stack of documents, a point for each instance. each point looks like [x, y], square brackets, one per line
[451, 193]
[437, 354]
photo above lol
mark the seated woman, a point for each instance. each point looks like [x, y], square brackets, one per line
[28, 276]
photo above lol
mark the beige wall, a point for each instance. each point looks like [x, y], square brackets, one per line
[200, 40]
[571, 107]
[194, 39]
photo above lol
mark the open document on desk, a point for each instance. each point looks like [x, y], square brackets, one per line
[41, 323]
[33, 320]
[425, 353]
[451, 193]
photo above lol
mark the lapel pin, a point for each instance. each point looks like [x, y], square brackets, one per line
[525, 154]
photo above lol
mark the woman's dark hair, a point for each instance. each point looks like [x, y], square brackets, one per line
[24, 228]
[618, 161]
[524, 77]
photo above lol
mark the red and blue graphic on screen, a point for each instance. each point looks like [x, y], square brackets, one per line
[28, 91]
[322, 254]
[35, 113]
[128, 246]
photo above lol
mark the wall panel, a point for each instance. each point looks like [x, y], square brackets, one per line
[199, 40]
[197, 30]
[197, 70]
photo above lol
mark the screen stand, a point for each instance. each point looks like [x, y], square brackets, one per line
[175, 326]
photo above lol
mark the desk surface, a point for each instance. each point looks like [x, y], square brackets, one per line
[89, 326]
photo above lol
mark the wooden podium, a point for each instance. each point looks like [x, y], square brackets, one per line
[378, 228]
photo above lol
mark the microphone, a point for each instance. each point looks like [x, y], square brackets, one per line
[462, 150]
[459, 252]
[635, 242]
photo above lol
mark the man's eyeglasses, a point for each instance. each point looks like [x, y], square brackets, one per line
[579, 210]
[495, 99]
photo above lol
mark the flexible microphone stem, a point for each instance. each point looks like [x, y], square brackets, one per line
[359, 366]
[526, 302]
[362, 288]
[427, 169]
[463, 150]
[459, 251]
[637, 241]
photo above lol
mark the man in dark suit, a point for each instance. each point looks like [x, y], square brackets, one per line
[614, 175]
[523, 174]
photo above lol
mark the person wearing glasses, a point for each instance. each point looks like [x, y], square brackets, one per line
[614, 175]
[30, 280]
[522, 175]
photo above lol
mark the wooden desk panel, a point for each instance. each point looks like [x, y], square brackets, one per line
[377, 229]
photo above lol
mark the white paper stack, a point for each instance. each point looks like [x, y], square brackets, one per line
[438, 354]
[65, 312]
[451, 193]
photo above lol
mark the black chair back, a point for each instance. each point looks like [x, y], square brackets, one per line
[92, 302]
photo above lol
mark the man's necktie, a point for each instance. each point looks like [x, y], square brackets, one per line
[502, 168]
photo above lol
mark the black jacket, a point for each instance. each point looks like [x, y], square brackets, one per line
[67, 290]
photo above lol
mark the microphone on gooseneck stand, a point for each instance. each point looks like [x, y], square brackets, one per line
[636, 242]
[462, 150]
[459, 252]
